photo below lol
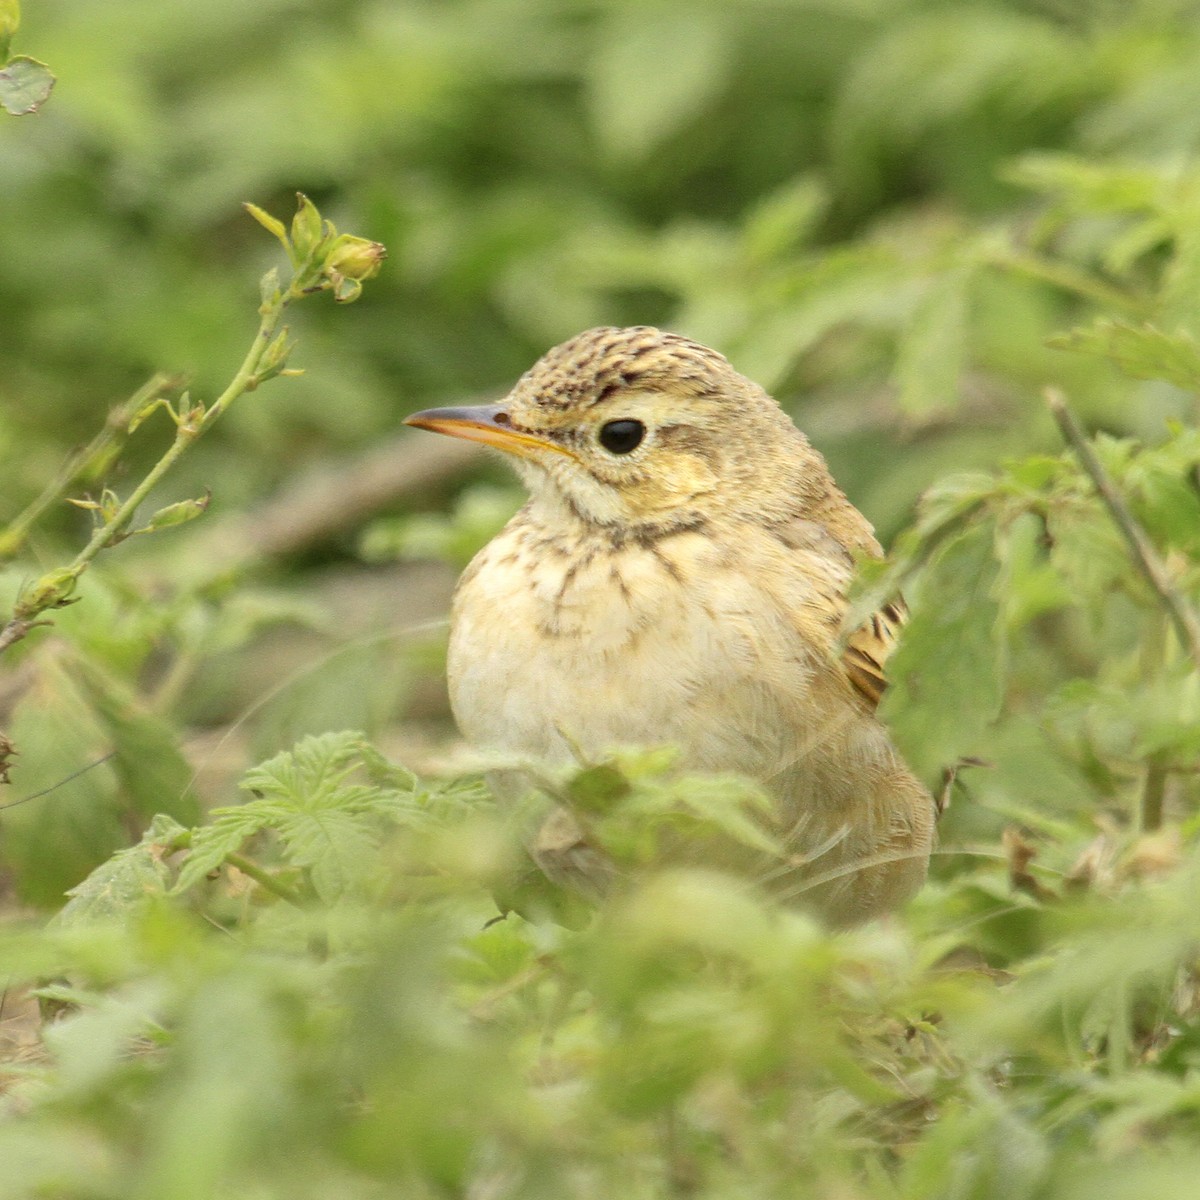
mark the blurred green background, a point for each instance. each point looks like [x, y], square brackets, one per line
[857, 201]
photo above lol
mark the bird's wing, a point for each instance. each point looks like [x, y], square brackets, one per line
[865, 651]
[868, 647]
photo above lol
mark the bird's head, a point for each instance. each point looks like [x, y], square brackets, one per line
[643, 430]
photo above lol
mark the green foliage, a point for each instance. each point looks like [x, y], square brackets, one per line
[479, 513]
[908, 219]
[25, 83]
[306, 799]
[386, 1038]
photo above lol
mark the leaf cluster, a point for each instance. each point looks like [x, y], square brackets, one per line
[313, 992]
[907, 219]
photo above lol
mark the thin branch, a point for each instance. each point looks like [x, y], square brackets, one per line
[1183, 616]
[1070, 279]
[85, 460]
[1154, 790]
[321, 261]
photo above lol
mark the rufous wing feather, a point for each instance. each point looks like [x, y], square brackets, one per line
[867, 650]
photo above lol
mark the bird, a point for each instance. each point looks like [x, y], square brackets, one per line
[679, 575]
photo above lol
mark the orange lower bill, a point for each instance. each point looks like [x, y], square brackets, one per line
[486, 423]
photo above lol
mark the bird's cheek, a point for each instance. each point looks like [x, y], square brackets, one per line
[683, 481]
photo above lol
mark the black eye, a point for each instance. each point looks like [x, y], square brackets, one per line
[620, 437]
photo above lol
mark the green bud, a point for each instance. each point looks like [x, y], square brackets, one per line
[307, 230]
[274, 358]
[354, 258]
[51, 591]
[177, 514]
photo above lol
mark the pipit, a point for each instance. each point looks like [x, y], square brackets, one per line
[679, 575]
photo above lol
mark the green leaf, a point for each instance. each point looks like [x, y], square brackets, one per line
[598, 788]
[273, 226]
[784, 219]
[947, 681]
[1086, 185]
[127, 880]
[52, 843]
[25, 84]
[1140, 351]
[212, 844]
[326, 821]
[656, 70]
[948, 508]
[1180, 297]
[151, 769]
[1166, 503]
[933, 349]
[307, 230]
[179, 513]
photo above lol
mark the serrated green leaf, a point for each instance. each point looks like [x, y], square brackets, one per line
[310, 771]
[212, 844]
[127, 880]
[25, 85]
[333, 845]
[1140, 351]
[326, 823]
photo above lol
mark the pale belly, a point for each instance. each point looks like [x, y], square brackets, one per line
[549, 658]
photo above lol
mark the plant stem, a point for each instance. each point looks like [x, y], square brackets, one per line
[1154, 789]
[54, 590]
[264, 878]
[13, 536]
[187, 431]
[322, 260]
[1183, 616]
[1070, 279]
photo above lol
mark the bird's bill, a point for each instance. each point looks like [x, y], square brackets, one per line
[486, 423]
